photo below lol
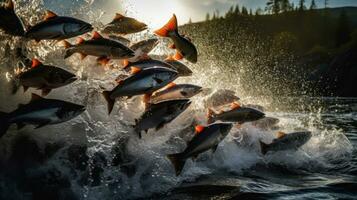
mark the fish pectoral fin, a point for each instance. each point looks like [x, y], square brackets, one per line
[214, 148]
[43, 124]
[20, 126]
[45, 92]
[159, 81]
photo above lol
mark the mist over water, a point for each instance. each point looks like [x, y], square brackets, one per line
[96, 156]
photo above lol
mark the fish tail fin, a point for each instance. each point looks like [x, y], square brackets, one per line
[210, 116]
[4, 123]
[110, 101]
[170, 26]
[177, 162]
[263, 147]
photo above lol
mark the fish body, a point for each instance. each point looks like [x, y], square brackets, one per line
[205, 138]
[45, 77]
[10, 23]
[142, 49]
[144, 82]
[120, 39]
[291, 141]
[157, 115]
[40, 112]
[122, 25]
[180, 91]
[181, 68]
[100, 47]
[185, 48]
[239, 115]
[57, 28]
[147, 63]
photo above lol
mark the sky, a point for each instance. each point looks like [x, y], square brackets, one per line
[155, 13]
[159, 11]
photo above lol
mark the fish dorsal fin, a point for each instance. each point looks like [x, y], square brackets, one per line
[235, 106]
[280, 134]
[9, 5]
[135, 70]
[118, 16]
[50, 15]
[80, 40]
[35, 63]
[35, 97]
[199, 129]
[169, 58]
[96, 36]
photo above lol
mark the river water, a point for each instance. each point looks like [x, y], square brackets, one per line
[97, 156]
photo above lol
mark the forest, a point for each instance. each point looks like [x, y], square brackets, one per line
[310, 49]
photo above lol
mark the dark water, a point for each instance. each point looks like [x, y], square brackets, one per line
[338, 180]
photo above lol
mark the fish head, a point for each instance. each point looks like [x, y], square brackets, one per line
[137, 25]
[61, 77]
[225, 128]
[190, 91]
[303, 137]
[254, 114]
[70, 111]
[77, 27]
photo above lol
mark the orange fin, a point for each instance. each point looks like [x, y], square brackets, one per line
[199, 129]
[126, 63]
[135, 70]
[10, 5]
[172, 46]
[235, 106]
[280, 134]
[118, 16]
[170, 85]
[80, 40]
[168, 27]
[35, 63]
[83, 56]
[50, 15]
[96, 36]
[103, 60]
[66, 44]
[178, 56]
[169, 58]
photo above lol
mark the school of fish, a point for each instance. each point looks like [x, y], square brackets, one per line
[152, 78]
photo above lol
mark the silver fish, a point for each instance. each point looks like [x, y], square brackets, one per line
[45, 77]
[123, 25]
[57, 28]
[40, 112]
[160, 114]
[237, 114]
[205, 138]
[144, 82]
[180, 91]
[291, 141]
